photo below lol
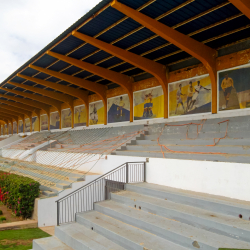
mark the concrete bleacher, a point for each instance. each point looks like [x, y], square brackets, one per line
[52, 179]
[186, 144]
[149, 216]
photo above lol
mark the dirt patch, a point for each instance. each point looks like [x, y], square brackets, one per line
[16, 242]
[7, 213]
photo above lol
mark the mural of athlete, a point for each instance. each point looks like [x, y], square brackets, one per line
[190, 94]
[179, 99]
[148, 105]
[198, 88]
[94, 115]
[120, 107]
[227, 85]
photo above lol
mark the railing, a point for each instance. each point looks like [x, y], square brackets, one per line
[83, 199]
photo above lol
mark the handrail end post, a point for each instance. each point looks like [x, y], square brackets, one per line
[126, 172]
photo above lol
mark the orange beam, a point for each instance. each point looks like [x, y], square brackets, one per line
[7, 111]
[198, 50]
[124, 81]
[154, 68]
[20, 105]
[99, 89]
[243, 6]
[57, 96]
[8, 115]
[14, 109]
[81, 94]
[43, 99]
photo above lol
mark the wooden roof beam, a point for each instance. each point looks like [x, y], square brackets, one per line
[243, 6]
[124, 81]
[198, 50]
[97, 88]
[42, 99]
[57, 96]
[154, 68]
[78, 93]
[20, 105]
[15, 110]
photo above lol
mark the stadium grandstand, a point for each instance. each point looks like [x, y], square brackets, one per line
[136, 123]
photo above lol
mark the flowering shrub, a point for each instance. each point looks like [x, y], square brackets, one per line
[18, 193]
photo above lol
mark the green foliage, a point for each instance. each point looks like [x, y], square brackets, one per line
[2, 218]
[1, 212]
[18, 193]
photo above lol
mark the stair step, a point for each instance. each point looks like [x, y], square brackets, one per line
[123, 234]
[80, 238]
[211, 221]
[50, 243]
[219, 204]
[171, 230]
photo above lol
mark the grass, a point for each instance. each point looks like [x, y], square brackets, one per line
[20, 239]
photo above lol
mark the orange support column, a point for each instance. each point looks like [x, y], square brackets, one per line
[199, 50]
[154, 68]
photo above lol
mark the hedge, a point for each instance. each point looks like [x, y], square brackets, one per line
[18, 193]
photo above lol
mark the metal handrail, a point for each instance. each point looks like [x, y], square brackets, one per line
[83, 198]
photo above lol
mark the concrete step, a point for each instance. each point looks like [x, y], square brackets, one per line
[179, 233]
[193, 216]
[80, 237]
[123, 234]
[230, 149]
[50, 243]
[186, 156]
[214, 203]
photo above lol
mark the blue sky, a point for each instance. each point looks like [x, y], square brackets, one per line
[27, 26]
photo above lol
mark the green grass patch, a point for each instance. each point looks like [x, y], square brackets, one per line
[20, 239]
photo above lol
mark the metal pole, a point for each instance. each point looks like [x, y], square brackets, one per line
[58, 210]
[144, 171]
[126, 172]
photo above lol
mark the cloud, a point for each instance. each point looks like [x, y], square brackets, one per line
[27, 26]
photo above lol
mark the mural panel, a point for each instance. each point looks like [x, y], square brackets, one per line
[2, 130]
[234, 88]
[54, 120]
[10, 129]
[27, 125]
[5, 129]
[35, 124]
[14, 128]
[191, 96]
[148, 103]
[44, 122]
[20, 126]
[80, 115]
[96, 113]
[66, 118]
[118, 109]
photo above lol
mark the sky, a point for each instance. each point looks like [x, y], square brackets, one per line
[27, 26]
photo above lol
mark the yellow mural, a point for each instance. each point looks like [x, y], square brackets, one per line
[35, 124]
[96, 113]
[14, 128]
[149, 103]
[44, 122]
[5, 129]
[20, 126]
[192, 96]
[66, 118]
[27, 125]
[54, 120]
[80, 116]
[10, 129]
[2, 133]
